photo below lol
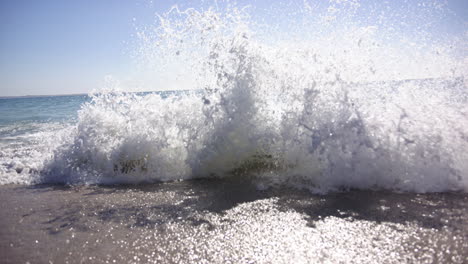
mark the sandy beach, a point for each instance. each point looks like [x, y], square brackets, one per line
[225, 221]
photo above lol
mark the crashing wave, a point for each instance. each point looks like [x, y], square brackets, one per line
[326, 112]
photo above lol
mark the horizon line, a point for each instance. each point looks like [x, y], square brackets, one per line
[77, 94]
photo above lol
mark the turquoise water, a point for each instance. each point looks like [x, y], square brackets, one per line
[29, 128]
[33, 129]
[25, 115]
[21, 111]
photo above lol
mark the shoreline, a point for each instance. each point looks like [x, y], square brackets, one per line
[214, 221]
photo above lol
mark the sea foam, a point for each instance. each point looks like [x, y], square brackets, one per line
[320, 102]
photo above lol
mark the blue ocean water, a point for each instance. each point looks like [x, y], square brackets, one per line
[32, 128]
[27, 129]
[40, 109]
[24, 115]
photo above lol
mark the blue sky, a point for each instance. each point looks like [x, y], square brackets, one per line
[60, 47]
[63, 47]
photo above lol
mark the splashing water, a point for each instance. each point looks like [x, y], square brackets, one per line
[325, 99]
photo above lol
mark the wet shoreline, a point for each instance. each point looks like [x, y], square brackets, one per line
[222, 221]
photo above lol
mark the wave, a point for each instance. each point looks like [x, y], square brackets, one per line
[339, 111]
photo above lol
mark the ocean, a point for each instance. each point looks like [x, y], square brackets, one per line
[395, 135]
[331, 138]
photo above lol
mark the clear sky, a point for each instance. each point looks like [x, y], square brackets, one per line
[64, 46]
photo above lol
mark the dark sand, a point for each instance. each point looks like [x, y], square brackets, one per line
[228, 222]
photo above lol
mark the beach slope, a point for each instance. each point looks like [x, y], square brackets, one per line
[225, 221]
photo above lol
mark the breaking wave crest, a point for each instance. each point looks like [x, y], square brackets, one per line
[329, 105]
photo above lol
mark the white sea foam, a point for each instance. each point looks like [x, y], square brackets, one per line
[341, 106]
[23, 156]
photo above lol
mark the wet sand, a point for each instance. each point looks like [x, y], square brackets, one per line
[214, 221]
